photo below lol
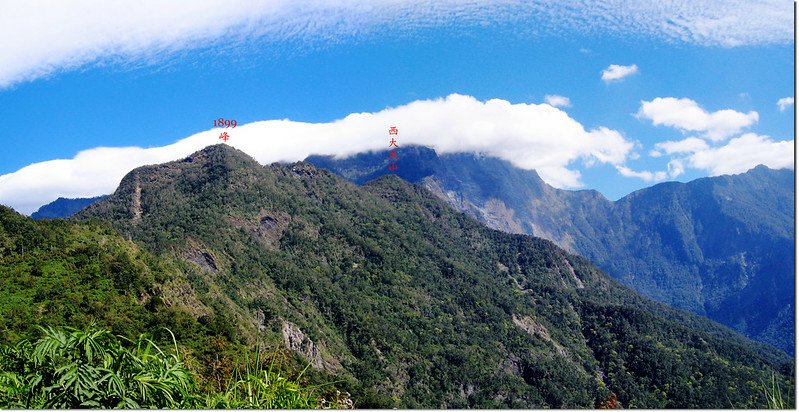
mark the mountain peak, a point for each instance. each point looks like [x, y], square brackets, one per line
[765, 170]
[216, 161]
[307, 169]
[213, 169]
[415, 163]
[396, 189]
[220, 153]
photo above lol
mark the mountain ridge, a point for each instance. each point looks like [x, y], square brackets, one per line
[414, 304]
[64, 207]
[647, 244]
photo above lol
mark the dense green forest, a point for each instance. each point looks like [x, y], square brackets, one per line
[58, 273]
[722, 246]
[412, 304]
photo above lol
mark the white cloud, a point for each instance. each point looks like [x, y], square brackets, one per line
[41, 37]
[710, 155]
[743, 153]
[644, 175]
[784, 103]
[738, 155]
[688, 116]
[557, 101]
[615, 72]
[675, 168]
[530, 136]
[689, 145]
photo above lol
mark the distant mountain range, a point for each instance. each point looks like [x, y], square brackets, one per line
[64, 207]
[390, 291]
[722, 247]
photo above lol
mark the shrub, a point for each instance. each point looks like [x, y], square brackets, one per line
[92, 368]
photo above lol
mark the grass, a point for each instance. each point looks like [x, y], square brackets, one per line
[773, 394]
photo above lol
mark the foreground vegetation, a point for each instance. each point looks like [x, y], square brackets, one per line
[60, 273]
[92, 368]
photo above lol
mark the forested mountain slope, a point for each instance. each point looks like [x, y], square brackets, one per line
[415, 305]
[56, 274]
[722, 247]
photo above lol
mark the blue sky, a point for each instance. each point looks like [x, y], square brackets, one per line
[54, 109]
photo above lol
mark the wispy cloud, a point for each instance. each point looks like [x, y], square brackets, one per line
[644, 175]
[784, 103]
[42, 37]
[615, 72]
[688, 116]
[531, 136]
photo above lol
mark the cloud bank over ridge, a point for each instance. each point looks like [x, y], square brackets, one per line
[531, 136]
